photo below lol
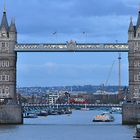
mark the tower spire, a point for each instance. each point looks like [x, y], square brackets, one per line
[131, 27]
[13, 26]
[131, 19]
[4, 22]
[138, 21]
[4, 6]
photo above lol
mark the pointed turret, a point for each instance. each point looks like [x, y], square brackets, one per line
[13, 30]
[137, 29]
[4, 22]
[13, 26]
[138, 21]
[131, 30]
[131, 27]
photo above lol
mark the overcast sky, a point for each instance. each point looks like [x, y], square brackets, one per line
[103, 22]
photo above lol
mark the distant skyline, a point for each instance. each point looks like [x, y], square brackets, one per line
[47, 21]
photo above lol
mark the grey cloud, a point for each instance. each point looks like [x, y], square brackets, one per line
[102, 8]
[37, 19]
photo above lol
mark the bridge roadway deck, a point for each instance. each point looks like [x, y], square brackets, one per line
[73, 47]
[72, 105]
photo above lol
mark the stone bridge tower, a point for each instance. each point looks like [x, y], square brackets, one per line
[10, 111]
[131, 109]
[134, 60]
[8, 39]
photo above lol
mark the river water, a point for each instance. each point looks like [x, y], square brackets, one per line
[78, 126]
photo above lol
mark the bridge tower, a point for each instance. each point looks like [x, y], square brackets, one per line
[131, 109]
[10, 111]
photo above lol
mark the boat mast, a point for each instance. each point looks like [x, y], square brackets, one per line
[119, 61]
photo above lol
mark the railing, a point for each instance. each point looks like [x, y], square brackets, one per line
[75, 105]
[72, 47]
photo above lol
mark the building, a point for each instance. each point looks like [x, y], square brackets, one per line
[53, 97]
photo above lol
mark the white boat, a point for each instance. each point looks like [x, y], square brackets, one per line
[104, 117]
[43, 113]
[85, 109]
[30, 115]
[116, 110]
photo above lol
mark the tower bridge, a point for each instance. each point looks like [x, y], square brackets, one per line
[11, 111]
[72, 46]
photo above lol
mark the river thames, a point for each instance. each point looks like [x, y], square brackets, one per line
[78, 126]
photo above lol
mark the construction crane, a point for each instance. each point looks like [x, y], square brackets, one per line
[119, 74]
[119, 62]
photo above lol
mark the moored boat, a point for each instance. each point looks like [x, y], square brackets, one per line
[43, 113]
[85, 109]
[53, 112]
[104, 117]
[30, 115]
[116, 110]
[68, 111]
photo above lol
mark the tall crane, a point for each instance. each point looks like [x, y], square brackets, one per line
[119, 79]
[119, 73]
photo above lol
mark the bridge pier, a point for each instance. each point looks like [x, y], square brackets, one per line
[131, 114]
[11, 114]
[131, 110]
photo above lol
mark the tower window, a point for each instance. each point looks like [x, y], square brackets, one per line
[136, 91]
[137, 63]
[137, 78]
[5, 47]
[138, 34]
[136, 48]
[7, 90]
[4, 78]
[4, 63]
[4, 91]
